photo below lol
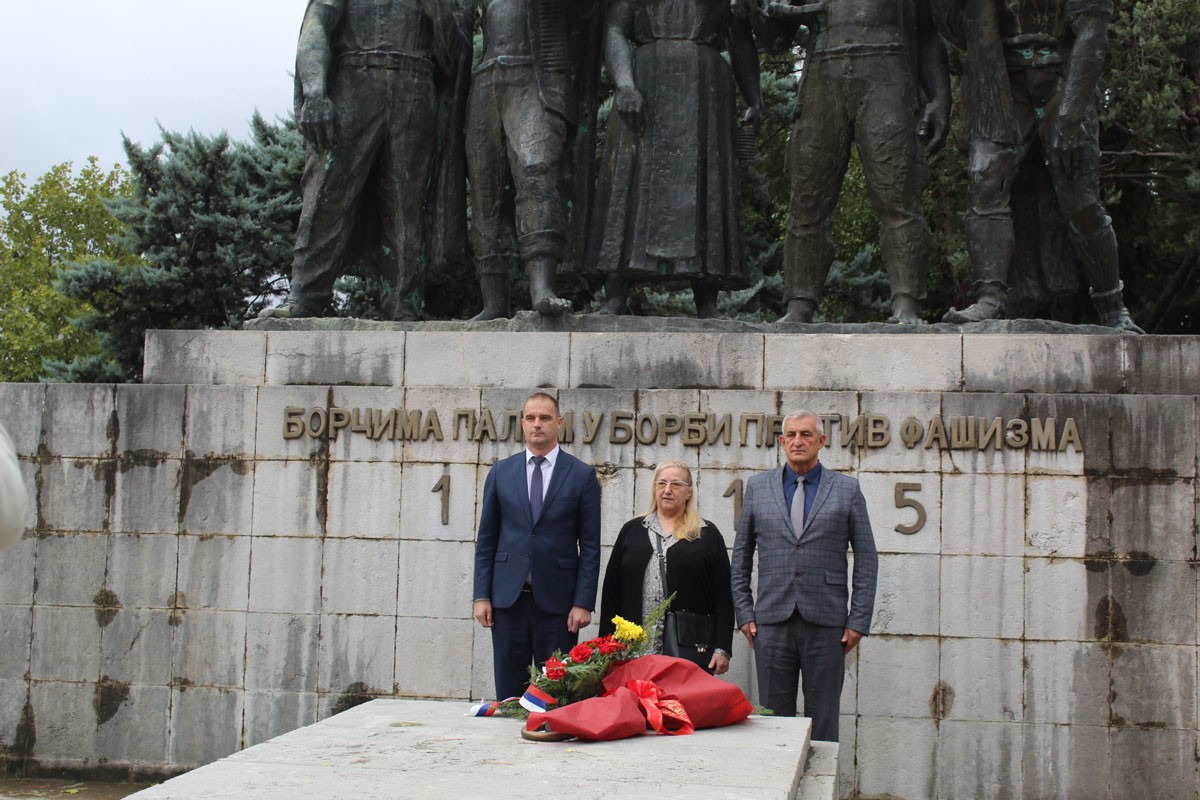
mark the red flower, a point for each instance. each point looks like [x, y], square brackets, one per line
[608, 645]
[580, 653]
[555, 669]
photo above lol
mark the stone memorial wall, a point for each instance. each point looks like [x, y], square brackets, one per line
[279, 524]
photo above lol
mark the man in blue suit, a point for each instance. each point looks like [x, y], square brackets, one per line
[537, 555]
[801, 518]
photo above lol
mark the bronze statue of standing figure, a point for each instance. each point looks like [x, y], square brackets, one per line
[1032, 72]
[373, 82]
[667, 206]
[863, 72]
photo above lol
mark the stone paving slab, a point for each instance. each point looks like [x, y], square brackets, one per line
[423, 748]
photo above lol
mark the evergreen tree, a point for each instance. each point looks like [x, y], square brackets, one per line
[212, 221]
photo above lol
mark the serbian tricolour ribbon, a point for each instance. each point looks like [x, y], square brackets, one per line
[535, 700]
[486, 709]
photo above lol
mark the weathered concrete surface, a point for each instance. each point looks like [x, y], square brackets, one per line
[426, 749]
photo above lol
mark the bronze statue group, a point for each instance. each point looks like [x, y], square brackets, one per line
[401, 117]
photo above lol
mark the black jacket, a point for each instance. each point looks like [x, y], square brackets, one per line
[697, 571]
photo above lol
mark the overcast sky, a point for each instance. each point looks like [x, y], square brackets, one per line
[74, 74]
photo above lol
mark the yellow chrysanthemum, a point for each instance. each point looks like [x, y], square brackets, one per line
[628, 632]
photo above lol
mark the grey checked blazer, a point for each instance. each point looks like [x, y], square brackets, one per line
[805, 572]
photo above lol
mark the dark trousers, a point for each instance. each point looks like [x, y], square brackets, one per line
[523, 634]
[785, 652]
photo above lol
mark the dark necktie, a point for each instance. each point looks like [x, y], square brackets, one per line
[535, 488]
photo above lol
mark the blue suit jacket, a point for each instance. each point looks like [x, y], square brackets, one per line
[806, 570]
[561, 552]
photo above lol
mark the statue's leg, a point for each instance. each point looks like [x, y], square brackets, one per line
[894, 168]
[331, 187]
[536, 142]
[817, 155]
[616, 293]
[1091, 231]
[705, 292]
[989, 229]
[405, 189]
[492, 235]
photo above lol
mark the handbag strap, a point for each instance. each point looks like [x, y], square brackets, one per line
[662, 560]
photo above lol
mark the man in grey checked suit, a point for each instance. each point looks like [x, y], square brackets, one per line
[801, 518]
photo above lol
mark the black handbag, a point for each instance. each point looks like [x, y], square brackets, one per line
[686, 634]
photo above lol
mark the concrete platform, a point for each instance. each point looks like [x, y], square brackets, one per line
[427, 749]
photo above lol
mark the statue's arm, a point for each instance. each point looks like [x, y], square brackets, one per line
[933, 70]
[1070, 139]
[314, 57]
[743, 56]
[618, 58]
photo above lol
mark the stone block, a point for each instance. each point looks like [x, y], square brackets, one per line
[896, 455]
[1056, 516]
[837, 454]
[1066, 683]
[364, 500]
[848, 702]
[1092, 415]
[1153, 519]
[592, 413]
[80, 420]
[65, 719]
[214, 572]
[1162, 365]
[983, 596]
[17, 572]
[146, 499]
[667, 361]
[436, 579]
[359, 577]
[70, 569]
[716, 496]
[895, 758]
[432, 449]
[732, 404]
[285, 576]
[1066, 761]
[1154, 687]
[271, 714]
[619, 503]
[361, 358]
[142, 570]
[906, 600]
[433, 657]
[135, 648]
[1154, 763]
[366, 436]
[1063, 364]
[281, 652]
[992, 460]
[1159, 605]
[16, 629]
[66, 644]
[209, 649]
[1059, 604]
[983, 515]
[416, 504]
[486, 358]
[980, 760]
[897, 676]
[217, 496]
[483, 678]
[22, 406]
[14, 695]
[985, 676]
[150, 421]
[863, 362]
[357, 650]
[74, 494]
[1146, 434]
[652, 443]
[289, 498]
[206, 724]
[29, 476]
[272, 407]
[216, 357]
[885, 492]
[221, 421]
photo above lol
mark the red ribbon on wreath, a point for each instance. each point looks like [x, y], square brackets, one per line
[663, 712]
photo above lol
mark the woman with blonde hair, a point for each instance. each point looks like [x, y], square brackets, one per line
[672, 550]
